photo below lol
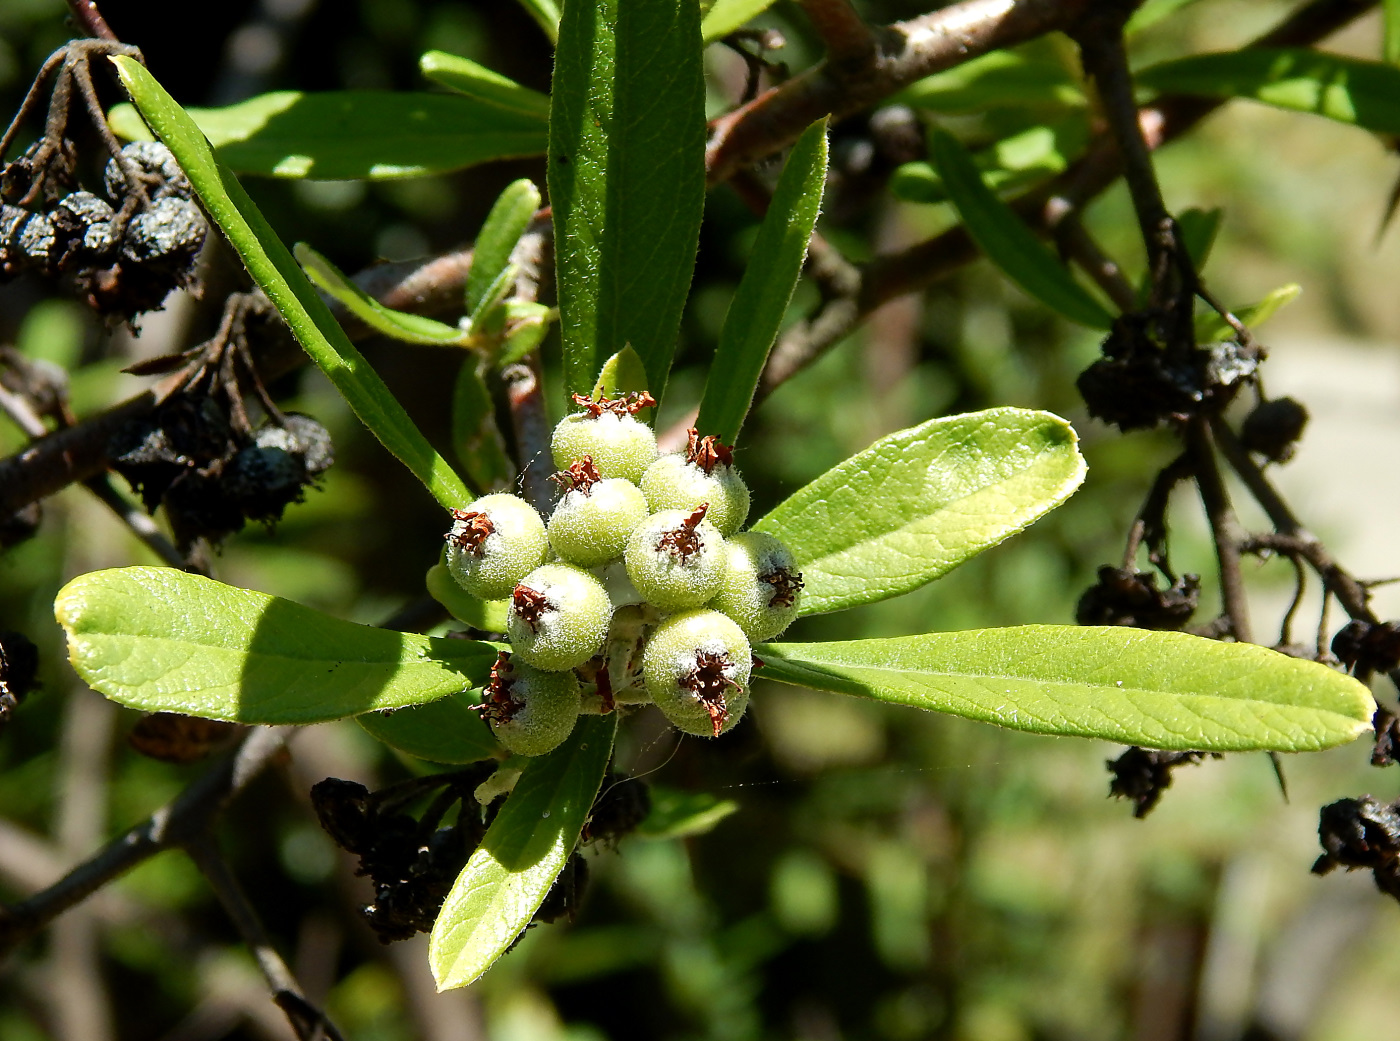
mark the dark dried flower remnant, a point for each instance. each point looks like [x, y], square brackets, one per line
[1124, 597]
[581, 476]
[625, 405]
[685, 541]
[710, 684]
[529, 605]
[469, 530]
[1143, 774]
[1361, 833]
[786, 585]
[497, 705]
[707, 452]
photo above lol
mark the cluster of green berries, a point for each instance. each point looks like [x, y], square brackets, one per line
[639, 587]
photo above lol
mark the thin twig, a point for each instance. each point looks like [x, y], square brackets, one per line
[90, 20]
[1224, 529]
[1077, 245]
[530, 422]
[848, 39]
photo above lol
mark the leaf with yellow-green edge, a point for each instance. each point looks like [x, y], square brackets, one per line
[1155, 689]
[546, 16]
[1348, 90]
[482, 84]
[1006, 239]
[273, 268]
[724, 16]
[162, 640]
[756, 312]
[916, 504]
[357, 134]
[449, 730]
[527, 845]
[1211, 328]
[398, 325]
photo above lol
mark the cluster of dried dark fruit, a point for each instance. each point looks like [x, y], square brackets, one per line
[19, 665]
[1362, 833]
[211, 476]
[1368, 647]
[414, 861]
[123, 250]
[1143, 774]
[1125, 597]
[1139, 383]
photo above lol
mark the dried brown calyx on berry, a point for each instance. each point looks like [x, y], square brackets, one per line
[707, 452]
[1125, 597]
[786, 584]
[497, 705]
[624, 405]
[684, 540]
[1143, 774]
[711, 682]
[580, 476]
[470, 529]
[530, 606]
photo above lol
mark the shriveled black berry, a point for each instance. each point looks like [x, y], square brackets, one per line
[169, 234]
[272, 472]
[36, 243]
[1143, 774]
[1366, 648]
[1274, 427]
[83, 225]
[19, 665]
[17, 178]
[1124, 597]
[1360, 833]
[153, 160]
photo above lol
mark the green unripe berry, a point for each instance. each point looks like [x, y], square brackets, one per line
[696, 667]
[609, 432]
[594, 519]
[558, 617]
[762, 586]
[530, 711]
[703, 473]
[494, 544]
[676, 559]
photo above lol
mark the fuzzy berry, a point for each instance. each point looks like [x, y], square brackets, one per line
[696, 667]
[762, 586]
[531, 712]
[494, 544]
[704, 472]
[676, 559]
[594, 519]
[558, 617]
[609, 432]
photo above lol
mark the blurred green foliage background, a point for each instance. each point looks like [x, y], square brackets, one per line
[883, 874]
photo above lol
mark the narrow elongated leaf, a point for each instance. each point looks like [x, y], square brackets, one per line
[626, 179]
[509, 875]
[676, 814]
[546, 16]
[475, 433]
[449, 730]
[1349, 90]
[1015, 161]
[354, 134]
[1007, 241]
[161, 640]
[916, 504]
[724, 16]
[273, 268]
[482, 84]
[509, 217]
[1157, 689]
[997, 78]
[762, 298]
[412, 328]
[1210, 327]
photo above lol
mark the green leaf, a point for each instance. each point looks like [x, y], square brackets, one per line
[509, 875]
[1016, 161]
[161, 640]
[475, 434]
[546, 16]
[354, 134]
[1198, 229]
[1349, 90]
[997, 78]
[1211, 328]
[677, 815]
[916, 504]
[626, 179]
[724, 16]
[761, 301]
[527, 324]
[1006, 240]
[487, 615]
[1156, 689]
[483, 85]
[623, 373]
[1390, 33]
[509, 217]
[400, 325]
[449, 730]
[1152, 12]
[272, 268]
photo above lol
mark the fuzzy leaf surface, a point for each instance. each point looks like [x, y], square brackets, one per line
[509, 875]
[916, 504]
[355, 134]
[1006, 239]
[626, 179]
[161, 640]
[1155, 689]
[762, 298]
[1348, 90]
[273, 268]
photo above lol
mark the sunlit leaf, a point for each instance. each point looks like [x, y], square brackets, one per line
[916, 504]
[162, 640]
[626, 179]
[1211, 328]
[676, 814]
[271, 265]
[1006, 239]
[1156, 689]
[509, 217]
[997, 78]
[482, 84]
[724, 16]
[509, 875]
[761, 301]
